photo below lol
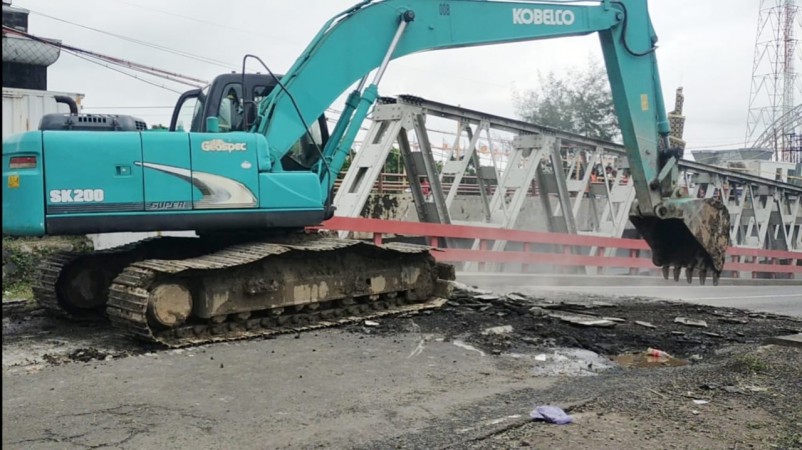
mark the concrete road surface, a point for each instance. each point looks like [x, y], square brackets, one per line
[326, 389]
[774, 296]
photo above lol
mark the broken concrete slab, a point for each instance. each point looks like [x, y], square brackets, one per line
[583, 320]
[470, 289]
[735, 320]
[503, 329]
[691, 322]
[614, 319]
[537, 311]
[600, 304]
[791, 340]
[578, 305]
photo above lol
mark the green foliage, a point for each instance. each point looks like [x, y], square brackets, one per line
[749, 364]
[21, 257]
[580, 102]
[395, 163]
[24, 265]
[18, 291]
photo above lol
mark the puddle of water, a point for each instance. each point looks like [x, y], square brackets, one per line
[640, 360]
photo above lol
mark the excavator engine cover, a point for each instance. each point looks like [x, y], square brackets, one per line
[91, 122]
[693, 234]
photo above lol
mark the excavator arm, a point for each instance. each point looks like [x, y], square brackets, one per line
[682, 232]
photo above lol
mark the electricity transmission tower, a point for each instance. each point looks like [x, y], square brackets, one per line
[774, 118]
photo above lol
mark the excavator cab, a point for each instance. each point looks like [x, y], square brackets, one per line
[234, 108]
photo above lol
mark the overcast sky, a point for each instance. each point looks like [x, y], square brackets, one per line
[705, 46]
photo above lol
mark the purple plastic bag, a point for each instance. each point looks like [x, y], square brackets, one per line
[551, 414]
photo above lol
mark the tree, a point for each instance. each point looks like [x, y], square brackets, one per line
[394, 163]
[580, 103]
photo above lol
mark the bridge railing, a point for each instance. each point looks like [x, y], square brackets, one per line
[533, 251]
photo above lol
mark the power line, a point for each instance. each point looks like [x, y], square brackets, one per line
[122, 72]
[141, 42]
[79, 55]
[195, 19]
[172, 76]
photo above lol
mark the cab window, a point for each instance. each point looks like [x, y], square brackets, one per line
[229, 112]
[186, 112]
[260, 92]
[306, 152]
[190, 110]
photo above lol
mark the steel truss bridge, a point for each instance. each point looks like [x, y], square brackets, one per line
[552, 167]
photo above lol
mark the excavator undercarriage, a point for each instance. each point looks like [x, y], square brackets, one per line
[189, 291]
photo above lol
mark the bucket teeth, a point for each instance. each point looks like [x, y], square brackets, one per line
[700, 267]
[689, 274]
[702, 275]
[693, 234]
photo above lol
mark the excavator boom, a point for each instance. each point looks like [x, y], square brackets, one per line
[682, 232]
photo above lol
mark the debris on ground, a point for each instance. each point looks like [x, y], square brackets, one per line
[503, 329]
[572, 362]
[614, 319]
[657, 353]
[465, 346]
[77, 355]
[551, 414]
[691, 322]
[531, 325]
[647, 360]
[583, 320]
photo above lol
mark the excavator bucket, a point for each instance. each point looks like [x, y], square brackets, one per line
[693, 234]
